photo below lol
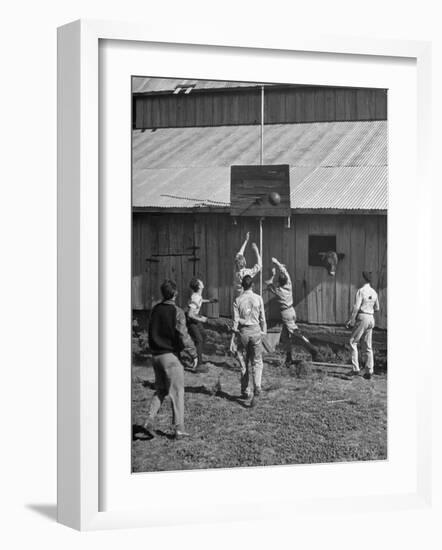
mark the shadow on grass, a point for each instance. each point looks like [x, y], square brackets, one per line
[203, 390]
[140, 434]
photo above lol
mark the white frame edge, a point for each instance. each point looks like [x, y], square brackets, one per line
[78, 255]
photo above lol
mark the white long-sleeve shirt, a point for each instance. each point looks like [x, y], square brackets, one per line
[248, 311]
[366, 301]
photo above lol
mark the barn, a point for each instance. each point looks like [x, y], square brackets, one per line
[187, 135]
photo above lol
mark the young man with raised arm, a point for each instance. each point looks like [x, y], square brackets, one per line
[241, 269]
[280, 284]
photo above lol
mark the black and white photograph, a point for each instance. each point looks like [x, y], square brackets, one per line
[259, 274]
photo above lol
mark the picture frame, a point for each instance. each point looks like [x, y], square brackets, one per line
[80, 271]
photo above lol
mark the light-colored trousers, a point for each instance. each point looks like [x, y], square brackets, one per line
[362, 332]
[289, 327]
[169, 381]
[250, 355]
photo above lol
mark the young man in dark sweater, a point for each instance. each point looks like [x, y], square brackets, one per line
[168, 336]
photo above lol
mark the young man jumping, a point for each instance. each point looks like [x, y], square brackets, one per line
[280, 284]
[241, 269]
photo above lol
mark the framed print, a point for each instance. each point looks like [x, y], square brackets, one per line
[224, 216]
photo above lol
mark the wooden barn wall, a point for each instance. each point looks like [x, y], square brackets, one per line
[244, 107]
[319, 298]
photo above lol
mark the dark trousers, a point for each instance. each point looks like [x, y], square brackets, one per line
[197, 334]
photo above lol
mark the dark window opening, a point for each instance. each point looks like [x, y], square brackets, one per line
[319, 243]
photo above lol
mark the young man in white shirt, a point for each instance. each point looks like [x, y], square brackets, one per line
[362, 321]
[249, 323]
[195, 320]
[241, 269]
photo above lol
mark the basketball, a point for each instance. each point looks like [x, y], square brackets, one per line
[274, 198]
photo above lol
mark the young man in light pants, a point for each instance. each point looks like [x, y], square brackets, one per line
[362, 321]
[250, 323]
[283, 290]
[168, 336]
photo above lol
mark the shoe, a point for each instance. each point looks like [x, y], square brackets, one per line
[368, 375]
[181, 435]
[254, 401]
[355, 373]
[245, 395]
[149, 428]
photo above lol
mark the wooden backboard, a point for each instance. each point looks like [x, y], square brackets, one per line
[250, 188]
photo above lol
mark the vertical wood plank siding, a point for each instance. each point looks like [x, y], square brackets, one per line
[282, 105]
[319, 298]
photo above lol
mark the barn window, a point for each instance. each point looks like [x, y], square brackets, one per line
[319, 243]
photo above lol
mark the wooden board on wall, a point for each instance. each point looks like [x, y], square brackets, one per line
[251, 188]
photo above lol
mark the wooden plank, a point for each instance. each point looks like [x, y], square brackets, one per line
[299, 105]
[381, 104]
[315, 276]
[225, 265]
[328, 284]
[371, 260]
[300, 228]
[320, 108]
[362, 105]
[382, 317]
[176, 247]
[291, 99]
[330, 104]
[137, 292]
[213, 259]
[139, 114]
[357, 255]
[340, 99]
[371, 95]
[309, 106]
[343, 271]
[151, 284]
[350, 104]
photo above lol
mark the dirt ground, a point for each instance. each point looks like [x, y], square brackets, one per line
[306, 414]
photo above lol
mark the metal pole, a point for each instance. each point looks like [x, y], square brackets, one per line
[261, 162]
[262, 126]
[260, 251]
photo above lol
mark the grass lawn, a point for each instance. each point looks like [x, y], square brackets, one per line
[321, 416]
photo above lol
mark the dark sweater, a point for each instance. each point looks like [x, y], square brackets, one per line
[168, 331]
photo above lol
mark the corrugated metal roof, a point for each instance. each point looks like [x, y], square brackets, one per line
[143, 85]
[334, 165]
